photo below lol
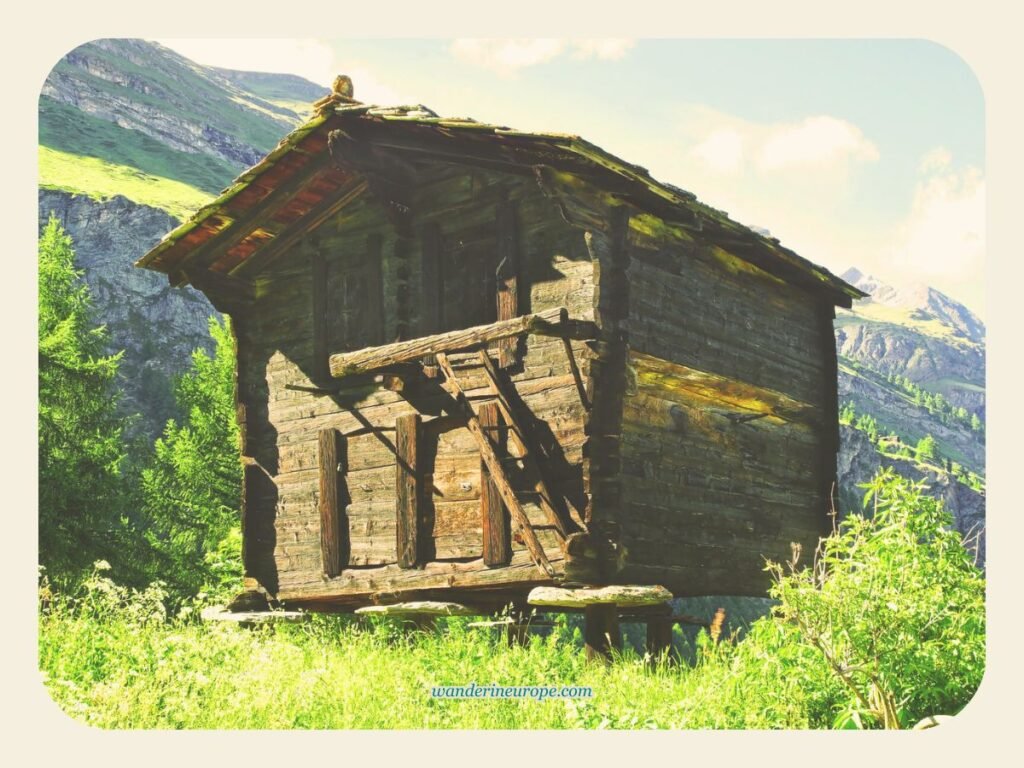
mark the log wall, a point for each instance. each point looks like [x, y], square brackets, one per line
[390, 283]
[728, 412]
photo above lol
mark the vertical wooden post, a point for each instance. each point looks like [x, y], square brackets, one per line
[431, 281]
[321, 326]
[601, 631]
[374, 298]
[407, 490]
[507, 277]
[497, 545]
[659, 636]
[333, 531]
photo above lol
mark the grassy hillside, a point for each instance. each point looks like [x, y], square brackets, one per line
[133, 118]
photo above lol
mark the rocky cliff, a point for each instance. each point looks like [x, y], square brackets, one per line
[157, 326]
[917, 332]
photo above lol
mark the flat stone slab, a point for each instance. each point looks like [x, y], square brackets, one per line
[220, 613]
[620, 595]
[418, 608]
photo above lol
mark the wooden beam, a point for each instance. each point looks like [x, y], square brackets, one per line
[497, 547]
[321, 323]
[507, 277]
[550, 322]
[244, 225]
[333, 528]
[601, 631]
[497, 471]
[576, 376]
[298, 229]
[407, 490]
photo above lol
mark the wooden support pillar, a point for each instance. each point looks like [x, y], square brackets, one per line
[601, 631]
[508, 278]
[407, 490]
[497, 545]
[659, 636]
[333, 528]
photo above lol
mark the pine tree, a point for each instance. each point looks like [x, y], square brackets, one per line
[192, 487]
[81, 489]
[926, 448]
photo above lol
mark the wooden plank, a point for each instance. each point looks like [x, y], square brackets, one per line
[667, 377]
[432, 280]
[496, 469]
[508, 277]
[333, 528]
[321, 326]
[495, 520]
[407, 490]
[374, 289]
[623, 595]
[550, 322]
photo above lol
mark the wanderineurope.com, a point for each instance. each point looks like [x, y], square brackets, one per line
[495, 691]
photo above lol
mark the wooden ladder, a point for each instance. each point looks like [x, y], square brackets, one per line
[528, 454]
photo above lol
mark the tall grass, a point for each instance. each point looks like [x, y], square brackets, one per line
[887, 628]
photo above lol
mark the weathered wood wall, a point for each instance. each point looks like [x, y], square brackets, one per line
[726, 418]
[298, 319]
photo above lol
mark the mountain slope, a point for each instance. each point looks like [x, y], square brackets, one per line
[912, 368]
[919, 333]
[132, 139]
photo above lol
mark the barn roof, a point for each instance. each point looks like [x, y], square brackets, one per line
[299, 184]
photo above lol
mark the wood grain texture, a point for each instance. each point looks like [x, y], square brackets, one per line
[333, 523]
[494, 518]
[407, 490]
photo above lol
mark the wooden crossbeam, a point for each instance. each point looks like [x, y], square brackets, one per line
[550, 322]
[494, 466]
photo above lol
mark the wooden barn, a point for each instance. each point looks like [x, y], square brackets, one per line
[473, 361]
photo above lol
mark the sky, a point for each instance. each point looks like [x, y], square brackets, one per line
[866, 153]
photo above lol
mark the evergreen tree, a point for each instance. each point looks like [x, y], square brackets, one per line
[975, 422]
[926, 448]
[191, 489]
[81, 489]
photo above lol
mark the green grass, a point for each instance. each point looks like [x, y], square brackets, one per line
[116, 673]
[888, 628]
[186, 93]
[101, 180]
[73, 132]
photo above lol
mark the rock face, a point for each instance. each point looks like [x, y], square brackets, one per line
[859, 462]
[916, 332]
[156, 325]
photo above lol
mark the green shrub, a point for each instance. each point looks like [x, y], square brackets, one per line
[895, 606]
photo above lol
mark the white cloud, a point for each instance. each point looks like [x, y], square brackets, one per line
[816, 141]
[506, 56]
[609, 48]
[721, 151]
[943, 237]
[729, 145]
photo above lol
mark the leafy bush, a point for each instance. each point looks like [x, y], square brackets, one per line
[895, 606]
